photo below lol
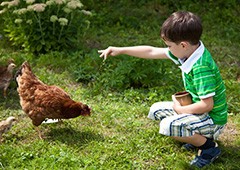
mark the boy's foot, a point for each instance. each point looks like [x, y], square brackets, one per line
[189, 147]
[206, 156]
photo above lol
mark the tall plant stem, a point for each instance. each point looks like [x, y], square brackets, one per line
[53, 28]
[38, 18]
[59, 37]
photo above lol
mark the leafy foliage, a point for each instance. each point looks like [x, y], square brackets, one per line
[123, 72]
[44, 26]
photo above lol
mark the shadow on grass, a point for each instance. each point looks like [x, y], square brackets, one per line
[72, 137]
[230, 156]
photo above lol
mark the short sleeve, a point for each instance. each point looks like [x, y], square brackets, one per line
[171, 56]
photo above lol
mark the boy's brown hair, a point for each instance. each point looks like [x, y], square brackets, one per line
[182, 26]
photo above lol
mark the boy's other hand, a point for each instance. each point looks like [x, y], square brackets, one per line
[176, 104]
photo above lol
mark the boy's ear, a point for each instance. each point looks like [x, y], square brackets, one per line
[184, 44]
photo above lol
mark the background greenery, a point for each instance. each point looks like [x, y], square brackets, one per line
[40, 26]
[120, 91]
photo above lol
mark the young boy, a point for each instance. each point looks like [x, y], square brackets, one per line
[201, 122]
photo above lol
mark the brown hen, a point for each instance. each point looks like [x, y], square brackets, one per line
[40, 101]
[6, 75]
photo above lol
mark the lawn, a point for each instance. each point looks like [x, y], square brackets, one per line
[118, 134]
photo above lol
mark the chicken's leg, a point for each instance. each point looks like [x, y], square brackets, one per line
[5, 90]
[5, 93]
[39, 133]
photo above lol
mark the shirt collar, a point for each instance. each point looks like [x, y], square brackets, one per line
[188, 64]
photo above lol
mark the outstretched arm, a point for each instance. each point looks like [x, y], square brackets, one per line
[147, 52]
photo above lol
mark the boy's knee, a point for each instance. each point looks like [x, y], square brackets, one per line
[160, 110]
[153, 109]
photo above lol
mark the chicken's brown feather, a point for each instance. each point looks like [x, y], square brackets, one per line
[6, 75]
[3, 69]
[40, 101]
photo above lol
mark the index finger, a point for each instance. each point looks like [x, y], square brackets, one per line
[100, 51]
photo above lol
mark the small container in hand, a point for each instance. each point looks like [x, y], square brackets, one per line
[184, 98]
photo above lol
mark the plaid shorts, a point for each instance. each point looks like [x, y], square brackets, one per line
[183, 125]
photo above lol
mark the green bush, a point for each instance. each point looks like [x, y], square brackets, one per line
[122, 72]
[40, 25]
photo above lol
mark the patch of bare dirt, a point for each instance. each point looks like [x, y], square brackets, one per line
[230, 134]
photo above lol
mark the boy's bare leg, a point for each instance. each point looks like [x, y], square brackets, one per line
[196, 139]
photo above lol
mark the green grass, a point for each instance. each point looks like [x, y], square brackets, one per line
[118, 134]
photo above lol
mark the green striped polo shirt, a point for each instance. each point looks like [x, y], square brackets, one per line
[202, 79]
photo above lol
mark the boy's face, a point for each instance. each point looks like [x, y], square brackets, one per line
[178, 50]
